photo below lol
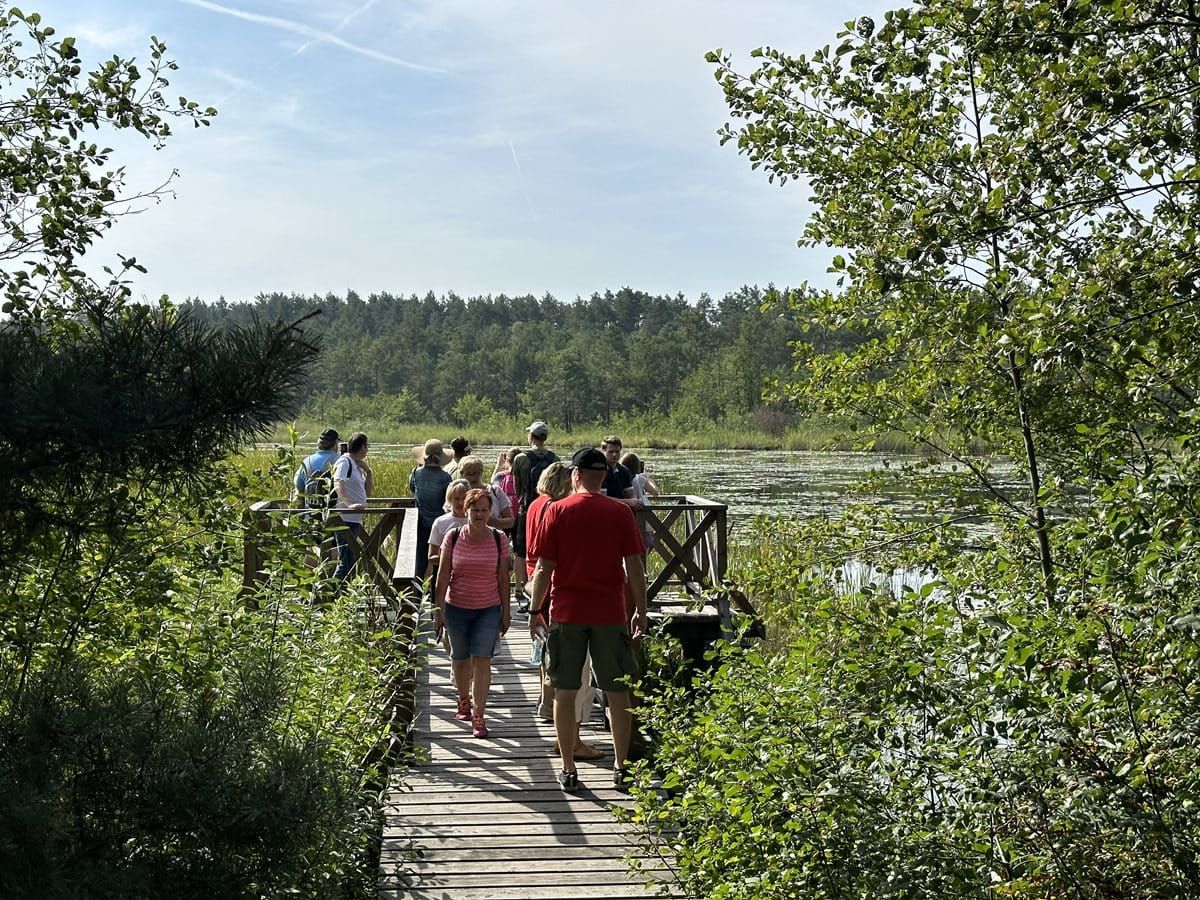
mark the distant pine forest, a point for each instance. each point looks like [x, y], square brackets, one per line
[624, 356]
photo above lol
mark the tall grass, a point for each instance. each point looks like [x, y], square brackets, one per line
[635, 432]
[390, 475]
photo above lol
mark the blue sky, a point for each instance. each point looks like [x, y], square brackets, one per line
[480, 147]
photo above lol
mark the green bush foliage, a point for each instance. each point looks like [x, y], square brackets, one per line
[162, 735]
[1010, 189]
[958, 738]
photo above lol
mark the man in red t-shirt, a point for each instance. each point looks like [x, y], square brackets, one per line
[587, 546]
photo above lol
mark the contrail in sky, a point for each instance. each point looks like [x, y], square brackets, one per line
[313, 34]
[521, 178]
[340, 25]
[354, 15]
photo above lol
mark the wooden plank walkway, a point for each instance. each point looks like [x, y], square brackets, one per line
[486, 817]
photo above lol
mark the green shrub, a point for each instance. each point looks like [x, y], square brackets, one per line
[161, 735]
[962, 738]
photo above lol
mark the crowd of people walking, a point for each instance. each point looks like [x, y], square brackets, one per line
[560, 537]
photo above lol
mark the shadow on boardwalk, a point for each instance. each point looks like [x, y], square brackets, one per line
[485, 818]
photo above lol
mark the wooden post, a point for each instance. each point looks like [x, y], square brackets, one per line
[255, 522]
[722, 560]
[250, 551]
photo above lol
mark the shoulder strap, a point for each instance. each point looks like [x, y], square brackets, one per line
[314, 471]
[495, 537]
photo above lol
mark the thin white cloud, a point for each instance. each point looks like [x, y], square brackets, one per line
[110, 38]
[311, 33]
[354, 14]
[232, 80]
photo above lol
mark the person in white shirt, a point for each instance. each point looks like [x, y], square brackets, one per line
[503, 516]
[643, 487]
[456, 516]
[353, 482]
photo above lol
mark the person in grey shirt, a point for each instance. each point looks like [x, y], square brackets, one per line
[428, 484]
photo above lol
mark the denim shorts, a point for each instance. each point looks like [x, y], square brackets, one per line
[472, 632]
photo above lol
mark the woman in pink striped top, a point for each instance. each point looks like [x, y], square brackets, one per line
[472, 600]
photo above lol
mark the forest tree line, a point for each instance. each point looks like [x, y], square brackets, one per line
[625, 353]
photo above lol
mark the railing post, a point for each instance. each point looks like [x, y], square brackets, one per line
[254, 522]
[722, 560]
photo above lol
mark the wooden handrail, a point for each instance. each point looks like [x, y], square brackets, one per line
[691, 544]
[390, 513]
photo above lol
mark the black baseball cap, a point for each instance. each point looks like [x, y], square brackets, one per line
[329, 434]
[589, 458]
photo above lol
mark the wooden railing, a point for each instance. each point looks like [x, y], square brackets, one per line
[384, 549]
[689, 549]
[687, 560]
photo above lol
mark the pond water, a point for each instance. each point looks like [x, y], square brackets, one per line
[797, 484]
[785, 484]
[775, 483]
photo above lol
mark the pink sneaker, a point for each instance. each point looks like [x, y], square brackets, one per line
[479, 728]
[464, 709]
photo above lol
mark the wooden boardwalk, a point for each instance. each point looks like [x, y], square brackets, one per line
[486, 818]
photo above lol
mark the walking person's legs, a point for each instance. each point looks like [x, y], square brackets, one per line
[458, 631]
[566, 649]
[485, 628]
[615, 665]
[622, 723]
[565, 727]
[584, 698]
[569, 647]
[345, 551]
[481, 682]
[462, 670]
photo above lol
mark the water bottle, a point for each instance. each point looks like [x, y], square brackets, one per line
[537, 648]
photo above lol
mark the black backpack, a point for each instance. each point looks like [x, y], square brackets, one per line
[319, 490]
[318, 485]
[539, 462]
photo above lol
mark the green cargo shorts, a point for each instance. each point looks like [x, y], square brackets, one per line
[613, 660]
